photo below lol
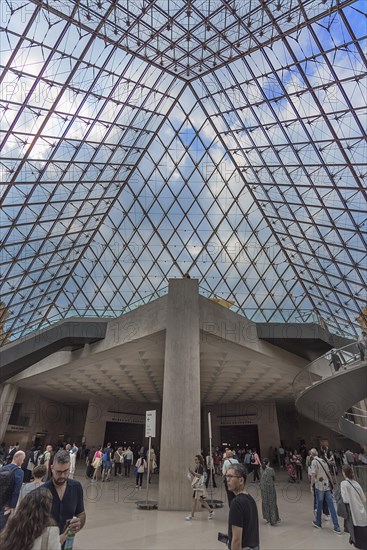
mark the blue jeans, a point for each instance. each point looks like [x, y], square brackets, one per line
[325, 509]
[328, 496]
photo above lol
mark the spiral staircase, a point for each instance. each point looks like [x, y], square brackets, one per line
[332, 390]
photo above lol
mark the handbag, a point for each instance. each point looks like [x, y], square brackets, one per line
[197, 483]
[96, 462]
[341, 508]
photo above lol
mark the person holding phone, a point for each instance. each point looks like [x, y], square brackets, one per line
[67, 497]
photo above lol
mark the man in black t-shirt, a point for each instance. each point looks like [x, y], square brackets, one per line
[243, 521]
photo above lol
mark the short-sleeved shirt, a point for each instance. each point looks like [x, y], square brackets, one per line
[321, 470]
[72, 503]
[47, 456]
[28, 488]
[243, 513]
[227, 464]
[129, 455]
[247, 459]
[107, 451]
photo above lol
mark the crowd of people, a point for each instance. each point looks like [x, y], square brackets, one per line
[44, 512]
[322, 467]
[39, 485]
[101, 462]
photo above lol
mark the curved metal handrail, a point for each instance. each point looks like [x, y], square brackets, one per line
[329, 369]
[325, 366]
[358, 409]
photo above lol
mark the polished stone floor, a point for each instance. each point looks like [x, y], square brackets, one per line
[114, 521]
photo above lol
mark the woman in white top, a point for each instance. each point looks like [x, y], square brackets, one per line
[31, 527]
[353, 495]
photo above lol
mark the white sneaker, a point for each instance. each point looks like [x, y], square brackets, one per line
[211, 515]
[189, 518]
[325, 518]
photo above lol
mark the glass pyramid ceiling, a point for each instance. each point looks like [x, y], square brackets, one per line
[144, 139]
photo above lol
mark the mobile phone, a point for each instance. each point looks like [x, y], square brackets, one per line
[222, 537]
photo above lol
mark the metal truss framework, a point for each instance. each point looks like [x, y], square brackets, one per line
[144, 139]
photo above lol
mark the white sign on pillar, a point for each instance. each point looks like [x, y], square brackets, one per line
[150, 420]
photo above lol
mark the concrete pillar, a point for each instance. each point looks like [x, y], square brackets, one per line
[95, 424]
[8, 393]
[180, 430]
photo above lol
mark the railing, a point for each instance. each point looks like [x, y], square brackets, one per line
[257, 315]
[325, 366]
[85, 313]
[357, 418]
[281, 315]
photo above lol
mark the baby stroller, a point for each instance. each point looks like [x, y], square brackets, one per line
[292, 473]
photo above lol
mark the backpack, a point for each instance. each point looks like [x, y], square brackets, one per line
[41, 459]
[6, 485]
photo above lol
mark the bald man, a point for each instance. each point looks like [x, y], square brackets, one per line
[15, 485]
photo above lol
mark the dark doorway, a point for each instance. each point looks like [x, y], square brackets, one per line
[124, 433]
[237, 437]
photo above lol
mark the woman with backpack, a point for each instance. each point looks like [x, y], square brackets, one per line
[29, 463]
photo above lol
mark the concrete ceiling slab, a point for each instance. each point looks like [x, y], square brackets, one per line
[134, 372]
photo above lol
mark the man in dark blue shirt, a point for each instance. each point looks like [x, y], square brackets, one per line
[67, 496]
[18, 474]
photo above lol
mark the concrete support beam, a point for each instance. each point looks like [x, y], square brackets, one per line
[95, 424]
[8, 393]
[180, 433]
